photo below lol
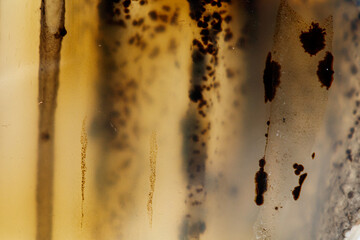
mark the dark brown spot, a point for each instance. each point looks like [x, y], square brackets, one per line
[325, 70]
[229, 73]
[313, 155]
[160, 29]
[45, 136]
[61, 33]
[228, 19]
[163, 17]
[348, 155]
[153, 15]
[314, 40]
[302, 178]
[271, 78]
[228, 36]
[126, 3]
[195, 94]
[353, 70]
[166, 8]
[195, 138]
[296, 192]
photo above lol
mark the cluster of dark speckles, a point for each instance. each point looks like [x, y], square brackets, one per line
[153, 23]
[298, 168]
[210, 26]
[197, 7]
[261, 183]
[210, 21]
[126, 93]
[198, 143]
[351, 133]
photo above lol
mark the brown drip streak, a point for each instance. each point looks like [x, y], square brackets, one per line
[84, 142]
[152, 158]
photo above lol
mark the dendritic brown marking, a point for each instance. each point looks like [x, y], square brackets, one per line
[153, 156]
[271, 78]
[313, 40]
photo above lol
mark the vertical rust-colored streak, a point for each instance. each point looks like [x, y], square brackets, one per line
[153, 156]
[50, 46]
[84, 142]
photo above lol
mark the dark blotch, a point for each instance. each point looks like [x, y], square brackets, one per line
[61, 33]
[261, 183]
[45, 136]
[271, 78]
[314, 40]
[325, 70]
[196, 93]
[153, 15]
[350, 194]
[160, 29]
[297, 190]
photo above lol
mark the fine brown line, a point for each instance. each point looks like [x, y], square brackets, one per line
[84, 142]
[153, 155]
